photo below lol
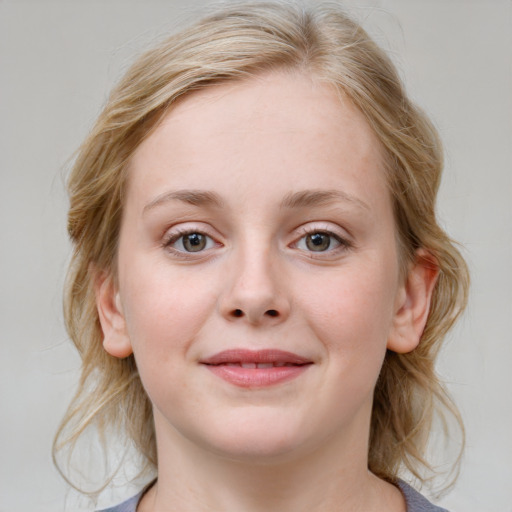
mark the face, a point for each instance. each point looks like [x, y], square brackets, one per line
[258, 283]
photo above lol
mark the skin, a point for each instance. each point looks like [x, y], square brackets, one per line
[258, 285]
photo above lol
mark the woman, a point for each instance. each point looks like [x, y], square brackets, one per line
[259, 286]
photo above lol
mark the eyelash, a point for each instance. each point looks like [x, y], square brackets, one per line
[172, 238]
[343, 243]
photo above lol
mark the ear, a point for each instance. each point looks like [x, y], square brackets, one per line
[413, 303]
[115, 338]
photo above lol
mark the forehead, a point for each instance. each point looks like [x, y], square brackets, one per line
[285, 127]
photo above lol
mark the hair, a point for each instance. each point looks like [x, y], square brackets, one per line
[235, 42]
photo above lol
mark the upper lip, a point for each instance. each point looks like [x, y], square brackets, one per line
[255, 356]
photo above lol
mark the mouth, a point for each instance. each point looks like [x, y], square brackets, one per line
[261, 368]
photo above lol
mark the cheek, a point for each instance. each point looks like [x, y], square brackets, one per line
[351, 310]
[164, 313]
[164, 309]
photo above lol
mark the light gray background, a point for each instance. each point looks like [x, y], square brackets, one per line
[58, 60]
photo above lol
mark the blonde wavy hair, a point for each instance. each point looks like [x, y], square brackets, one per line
[235, 42]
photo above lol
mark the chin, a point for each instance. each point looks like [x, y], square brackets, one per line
[257, 441]
[262, 453]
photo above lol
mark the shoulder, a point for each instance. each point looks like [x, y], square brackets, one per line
[415, 501]
[127, 506]
[130, 505]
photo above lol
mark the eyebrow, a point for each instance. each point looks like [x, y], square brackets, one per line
[308, 198]
[193, 197]
[302, 199]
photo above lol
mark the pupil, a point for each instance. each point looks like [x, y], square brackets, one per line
[318, 242]
[194, 242]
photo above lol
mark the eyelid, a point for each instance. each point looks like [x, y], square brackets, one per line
[344, 239]
[174, 233]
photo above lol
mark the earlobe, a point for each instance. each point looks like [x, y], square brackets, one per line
[115, 337]
[413, 303]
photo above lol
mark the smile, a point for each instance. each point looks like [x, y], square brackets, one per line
[260, 365]
[252, 369]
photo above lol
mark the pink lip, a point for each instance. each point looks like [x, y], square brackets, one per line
[278, 366]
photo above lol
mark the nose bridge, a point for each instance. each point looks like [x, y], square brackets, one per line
[254, 288]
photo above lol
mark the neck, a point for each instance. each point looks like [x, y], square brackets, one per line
[330, 478]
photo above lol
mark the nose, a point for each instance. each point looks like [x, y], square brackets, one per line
[255, 290]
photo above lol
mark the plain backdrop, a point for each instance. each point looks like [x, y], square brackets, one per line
[59, 59]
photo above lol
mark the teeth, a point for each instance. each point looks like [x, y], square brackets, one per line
[253, 366]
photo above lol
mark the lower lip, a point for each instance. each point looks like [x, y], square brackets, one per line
[257, 377]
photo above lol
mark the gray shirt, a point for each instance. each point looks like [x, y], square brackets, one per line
[414, 500]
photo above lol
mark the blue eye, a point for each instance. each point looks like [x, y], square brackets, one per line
[319, 241]
[191, 242]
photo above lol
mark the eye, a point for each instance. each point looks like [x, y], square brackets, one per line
[319, 241]
[192, 241]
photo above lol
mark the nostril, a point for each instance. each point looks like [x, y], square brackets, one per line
[238, 313]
